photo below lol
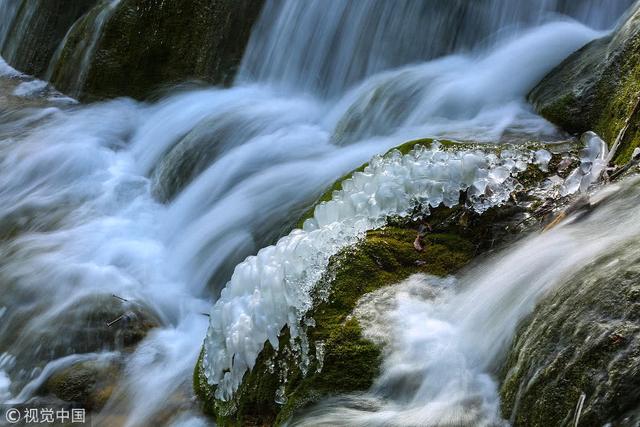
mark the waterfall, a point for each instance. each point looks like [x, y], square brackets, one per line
[80, 216]
[13, 32]
[309, 46]
[8, 10]
[73, 62]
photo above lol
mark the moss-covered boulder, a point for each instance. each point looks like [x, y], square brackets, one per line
[598, 87]
[340, 359]
[145, 44]
[36, 29]
[582, 340]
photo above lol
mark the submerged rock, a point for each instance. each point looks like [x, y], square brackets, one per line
[598, 88]
[582, 340]
[90, 324]
[88, 383]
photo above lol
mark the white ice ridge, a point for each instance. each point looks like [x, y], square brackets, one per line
[273, 289]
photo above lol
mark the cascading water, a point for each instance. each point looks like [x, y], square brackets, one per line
[78, 62]
[310, 47]
[79, 220]
[8, 10]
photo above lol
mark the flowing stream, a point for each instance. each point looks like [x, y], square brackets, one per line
[157, 203]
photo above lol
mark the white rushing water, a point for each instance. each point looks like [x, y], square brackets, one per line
[446, 337]
[310, 47]
[8, 10]
[77, 186]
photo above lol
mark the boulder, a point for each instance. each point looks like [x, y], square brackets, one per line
[88, 383]
[582, 340]
[147, 44]
[36, 30]
[340, 358]
[598, 88]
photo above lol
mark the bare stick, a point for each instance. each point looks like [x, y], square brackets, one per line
[113, 322]
[576, 418]
[623, 131]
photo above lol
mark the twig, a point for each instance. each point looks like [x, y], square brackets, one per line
[120, 298]
[631, 163]
[576, 418]
[623, 131]
[113, 322]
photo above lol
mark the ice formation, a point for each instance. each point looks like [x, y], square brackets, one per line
[593, 161]
[273, 289]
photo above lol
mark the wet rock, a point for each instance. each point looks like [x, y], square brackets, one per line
[597, 88]
[341, 359]
[88, 383]
[582, 339]
[37, 29]
[198, 149]
[146, 44]
[349, 361]
[90, 324]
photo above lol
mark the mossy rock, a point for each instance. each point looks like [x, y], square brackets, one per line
[148, 44]
[341, 360]
[597, 87]
[37, 29]
[350, 361]
[583, 338]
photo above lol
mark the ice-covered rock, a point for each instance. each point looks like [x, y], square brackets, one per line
[273, 289]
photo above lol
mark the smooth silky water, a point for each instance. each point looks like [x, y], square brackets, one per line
[93, 204]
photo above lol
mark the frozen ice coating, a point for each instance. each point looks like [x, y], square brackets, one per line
[543, 157]
[593, 161]
[273, 289]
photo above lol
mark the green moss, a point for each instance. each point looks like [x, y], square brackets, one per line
[620, 108]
